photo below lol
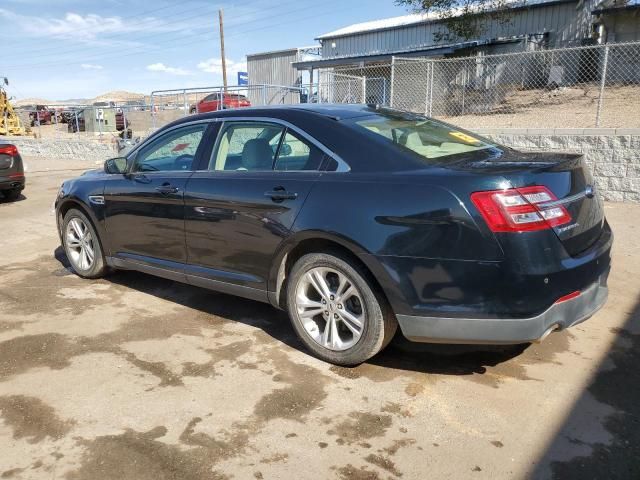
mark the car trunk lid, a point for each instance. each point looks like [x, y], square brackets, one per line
[567, 177]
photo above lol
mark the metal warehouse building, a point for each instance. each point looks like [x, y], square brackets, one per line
[538, 24]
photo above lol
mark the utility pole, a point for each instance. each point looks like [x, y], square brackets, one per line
[224, 60]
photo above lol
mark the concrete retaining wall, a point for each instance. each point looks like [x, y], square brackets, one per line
[612, 154]
[89, 150]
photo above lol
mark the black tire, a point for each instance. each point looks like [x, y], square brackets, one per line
[11, 195]
[380, 325]
[98, 268]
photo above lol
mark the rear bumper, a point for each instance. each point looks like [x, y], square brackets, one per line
[7, 183]
[507, 330]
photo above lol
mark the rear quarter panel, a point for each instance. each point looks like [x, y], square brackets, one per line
[416, 236]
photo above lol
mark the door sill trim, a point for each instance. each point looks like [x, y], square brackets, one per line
[195, 280]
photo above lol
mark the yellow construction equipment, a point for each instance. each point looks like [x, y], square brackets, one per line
[9, 122]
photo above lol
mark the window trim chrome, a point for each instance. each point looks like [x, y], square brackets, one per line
[343, 166]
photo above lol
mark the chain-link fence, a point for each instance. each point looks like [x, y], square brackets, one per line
[106, 123]
[581, 87]
[169, 105]
[577, 87]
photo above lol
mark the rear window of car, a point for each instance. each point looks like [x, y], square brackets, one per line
[430, 139]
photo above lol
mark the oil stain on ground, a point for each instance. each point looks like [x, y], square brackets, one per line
[361, 426]
[384, 463]
[305, 390]
[141, 456]
[32, 419]
[231, 446]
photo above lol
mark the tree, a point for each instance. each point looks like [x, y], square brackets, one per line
[463, 19]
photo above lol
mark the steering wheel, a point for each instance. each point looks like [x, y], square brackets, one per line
[183, 162]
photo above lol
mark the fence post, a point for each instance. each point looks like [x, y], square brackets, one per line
[153, 117]
[75, 114]
[603, 81]
[432, 66]
[464, 88]
[186, 107]
[364, 89]
[393, 74]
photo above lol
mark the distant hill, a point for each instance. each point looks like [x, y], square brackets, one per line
[117, 96]
[31, 101]
[114, 96]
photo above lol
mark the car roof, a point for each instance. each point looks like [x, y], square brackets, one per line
[329, 110]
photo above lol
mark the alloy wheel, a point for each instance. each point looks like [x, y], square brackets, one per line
[80, 246]
[330, 308]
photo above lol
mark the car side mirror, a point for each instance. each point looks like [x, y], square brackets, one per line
[285, 149]
[116, 165]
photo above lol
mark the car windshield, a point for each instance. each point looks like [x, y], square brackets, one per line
[428, 138]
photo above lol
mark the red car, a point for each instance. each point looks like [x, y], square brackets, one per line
[212, 103]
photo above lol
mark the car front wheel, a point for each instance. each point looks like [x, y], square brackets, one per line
[335, 310]
[82, 246]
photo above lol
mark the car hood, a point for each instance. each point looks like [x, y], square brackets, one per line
[93, 173]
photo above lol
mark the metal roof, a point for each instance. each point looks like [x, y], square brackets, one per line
[431, 51]
[285, 50]
[417, 18]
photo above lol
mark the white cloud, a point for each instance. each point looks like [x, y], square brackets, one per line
[214, 65]
[91, 66]
[87, 28]
[161, 67]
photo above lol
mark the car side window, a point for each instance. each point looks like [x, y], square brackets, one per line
[298, 154]
[173, 151]
[246, 146]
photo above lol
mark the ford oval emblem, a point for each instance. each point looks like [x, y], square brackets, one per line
[590, 191]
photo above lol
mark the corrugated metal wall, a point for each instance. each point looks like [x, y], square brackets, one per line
[568, 23]
[273, 68]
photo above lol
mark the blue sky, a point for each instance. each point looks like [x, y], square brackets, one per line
[60, 49]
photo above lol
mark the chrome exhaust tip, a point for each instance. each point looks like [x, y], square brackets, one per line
[547, 332]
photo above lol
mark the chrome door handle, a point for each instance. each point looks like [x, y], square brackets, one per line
[167, 189]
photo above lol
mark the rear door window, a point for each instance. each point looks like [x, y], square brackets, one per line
[297, 154]
[247, 146]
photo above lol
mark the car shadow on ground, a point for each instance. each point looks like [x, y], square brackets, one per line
[579, 449]
[401, 354]
[5, 200]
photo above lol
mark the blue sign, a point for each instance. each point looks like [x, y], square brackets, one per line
[243, 78]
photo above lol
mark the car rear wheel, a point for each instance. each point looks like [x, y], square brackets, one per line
[336, 311]
[82, 245]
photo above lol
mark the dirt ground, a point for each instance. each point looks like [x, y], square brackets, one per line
[566, 107]
[134, 377]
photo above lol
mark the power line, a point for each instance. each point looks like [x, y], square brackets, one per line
[181, 44]
[55, 51]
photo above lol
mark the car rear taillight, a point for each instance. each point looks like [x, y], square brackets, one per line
[520, 209]
[10, 150]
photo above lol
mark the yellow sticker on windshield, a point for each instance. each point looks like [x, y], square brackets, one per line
[464, 137]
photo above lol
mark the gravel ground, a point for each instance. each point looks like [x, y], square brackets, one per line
[562, 108]
[134, 377]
